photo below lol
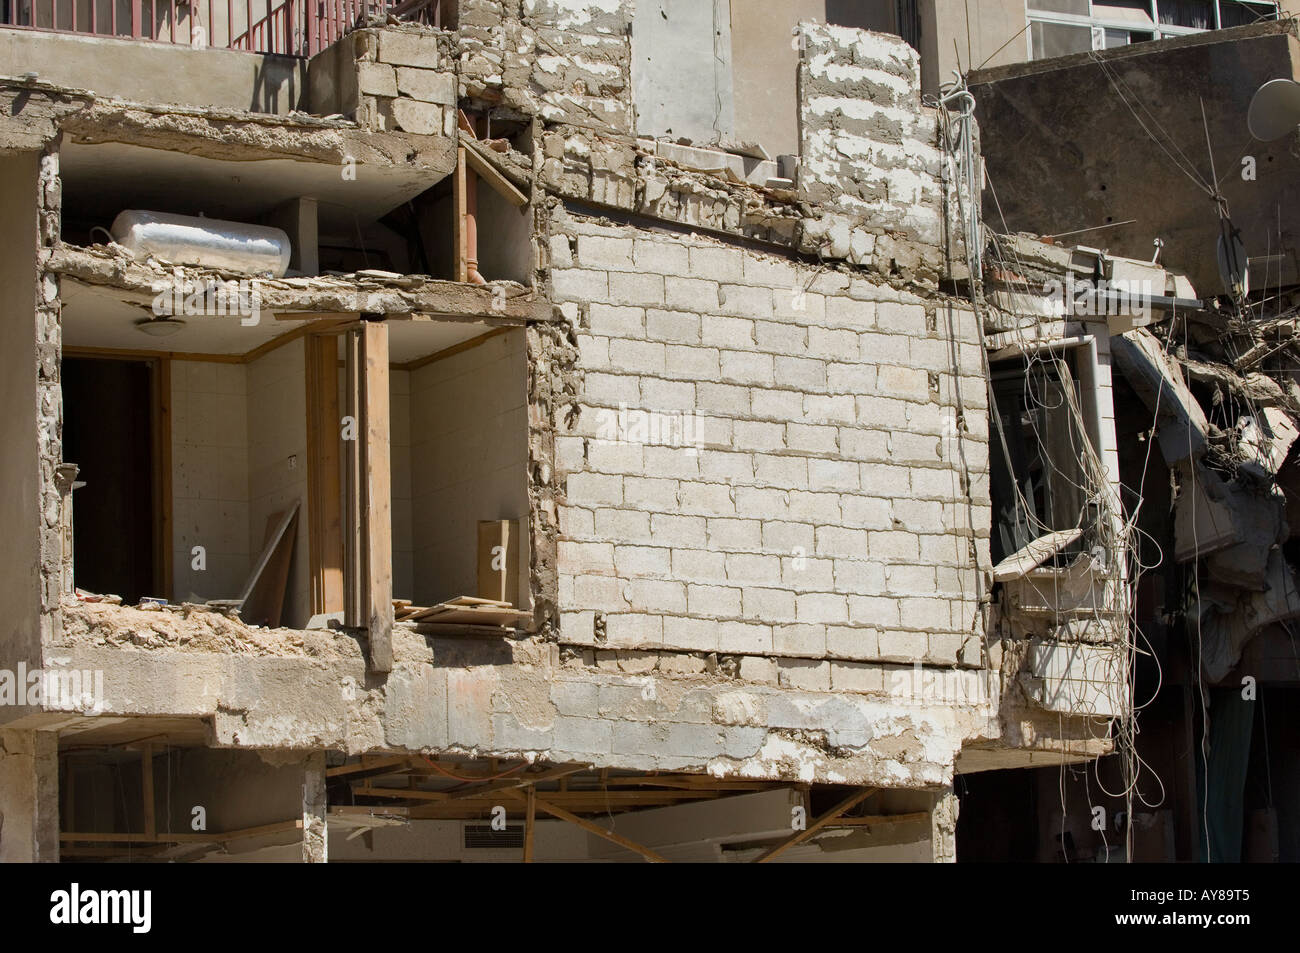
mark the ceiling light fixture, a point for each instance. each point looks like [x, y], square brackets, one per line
[159, 327]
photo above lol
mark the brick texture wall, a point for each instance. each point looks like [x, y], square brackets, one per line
[824, 510]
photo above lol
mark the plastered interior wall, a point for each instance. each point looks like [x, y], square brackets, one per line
[277, 432]
[20, 503]
[469, 453]
[505, 251]
[210, 504]
[819, 511]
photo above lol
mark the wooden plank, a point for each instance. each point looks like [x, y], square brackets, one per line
[324, 485]
[881, 820]
[591, 828]
[498, 560]
[799, 837]
[146, 790]
[488, 172]
[530, 821]
[262, 600]
[460, 204]
[377, 476]
[396, 761]
[531, 780]
[354, 517]
[100, 837]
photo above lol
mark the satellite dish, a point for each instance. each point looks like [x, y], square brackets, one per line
[1275, 110]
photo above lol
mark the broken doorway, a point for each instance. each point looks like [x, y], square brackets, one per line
[110, 431]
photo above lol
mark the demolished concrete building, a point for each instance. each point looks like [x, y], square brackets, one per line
[433, 461]
[1156, 161]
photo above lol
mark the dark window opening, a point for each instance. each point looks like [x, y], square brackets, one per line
[108, 432]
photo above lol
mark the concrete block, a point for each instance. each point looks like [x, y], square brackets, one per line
[617, 322]
[426, 85]
[422, 119]
[804, 674]
[633, 288]
[409, 49]
[583, 735]
[376, 79]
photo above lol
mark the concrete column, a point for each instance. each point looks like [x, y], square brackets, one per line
[314, 841]
[943, 827]
[29, 797]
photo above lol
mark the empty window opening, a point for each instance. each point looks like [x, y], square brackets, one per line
[1038, 483]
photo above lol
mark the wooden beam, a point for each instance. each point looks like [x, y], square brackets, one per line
[146, 790]
[101, 837]
[396, 761]
[488, 172]
[531, 780]
[324, 488]
[798, 837]
[880, 820]
[589, 827]
[378, 477]
[530, 821]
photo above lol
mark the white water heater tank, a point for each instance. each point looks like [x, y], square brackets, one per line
[208, 242]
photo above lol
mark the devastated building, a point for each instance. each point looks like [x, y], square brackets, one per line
[434, 437]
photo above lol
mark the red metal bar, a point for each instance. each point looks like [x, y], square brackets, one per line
[171, 26]
[94, 16]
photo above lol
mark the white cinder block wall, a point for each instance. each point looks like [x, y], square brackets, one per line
[824, 515]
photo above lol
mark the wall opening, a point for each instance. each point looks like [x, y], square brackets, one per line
[109, 432]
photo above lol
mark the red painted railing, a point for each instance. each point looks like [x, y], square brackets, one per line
[286, 27]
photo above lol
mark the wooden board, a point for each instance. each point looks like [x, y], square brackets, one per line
[324, 485]
[498, 560]
[262, 600]
[377, 498]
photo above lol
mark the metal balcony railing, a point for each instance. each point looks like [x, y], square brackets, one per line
[285, 27]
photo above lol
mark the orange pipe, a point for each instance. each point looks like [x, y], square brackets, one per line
[471, 228]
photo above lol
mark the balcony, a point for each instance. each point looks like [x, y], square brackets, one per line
[297, 28]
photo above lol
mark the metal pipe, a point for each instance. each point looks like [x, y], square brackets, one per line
[471, 228]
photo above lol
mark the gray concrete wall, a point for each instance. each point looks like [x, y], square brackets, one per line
[765, 66]
[681, 69]
[29, 797]
[158, 72]
[20, 503]
[946, 39]
[1063, 151]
